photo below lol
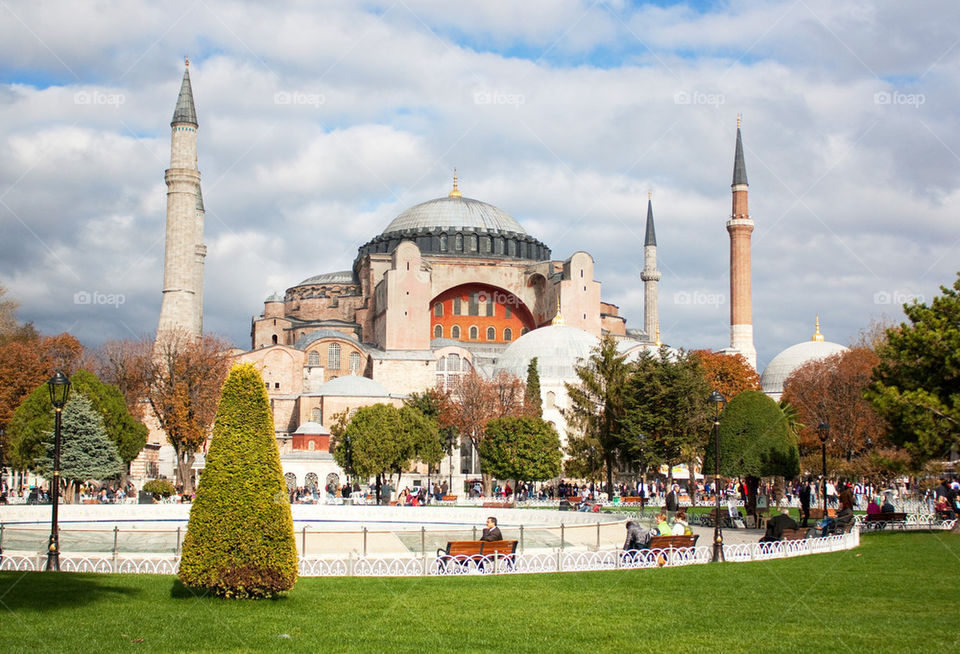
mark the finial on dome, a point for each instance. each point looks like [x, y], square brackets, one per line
[817, 337]
[558, 319]
[455, 193]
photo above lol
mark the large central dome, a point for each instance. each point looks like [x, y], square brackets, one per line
[455, 213]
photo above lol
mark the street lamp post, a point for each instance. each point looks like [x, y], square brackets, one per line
[347, 457]
[59, 386]
[450, 442]
[718, 402]
[823, 430]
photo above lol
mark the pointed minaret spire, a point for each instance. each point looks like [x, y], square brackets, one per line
[650, 276]
[182, 307]
[185, 112]
[740, 227]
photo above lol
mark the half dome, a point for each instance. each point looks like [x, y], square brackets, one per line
[558, 348]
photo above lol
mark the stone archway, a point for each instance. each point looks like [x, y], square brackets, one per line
[332, 482]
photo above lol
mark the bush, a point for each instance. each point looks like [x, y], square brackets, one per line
[240, 540]
[160, 487]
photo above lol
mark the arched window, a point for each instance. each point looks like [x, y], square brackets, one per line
[551, 399]
[453, 363]
[491, 334]
[443, 242]
[438, 309]
[274, 339]
[508, 334]
[316, 415]
[473, 242]
[355, 360]
[313, 358]
[438, 331]
[474, 333]
[291, 480]
[459, 242]
[455, 331]
[333, 356]
[524, 331]
[457, 308]
[311, 445]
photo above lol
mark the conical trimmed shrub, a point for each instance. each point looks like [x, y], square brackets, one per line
[240, 540]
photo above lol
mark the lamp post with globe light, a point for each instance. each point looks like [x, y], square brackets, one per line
[718, 402]
[59, 386]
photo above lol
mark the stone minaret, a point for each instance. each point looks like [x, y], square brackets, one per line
[740, 226]
[650, 276]
[182, 306]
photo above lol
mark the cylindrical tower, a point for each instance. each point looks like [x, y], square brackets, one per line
[740, 227]
[650, 276]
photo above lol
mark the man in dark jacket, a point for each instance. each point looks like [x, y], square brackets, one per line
[805, 503]
[492, 531]
[672, 502]
[775, 526]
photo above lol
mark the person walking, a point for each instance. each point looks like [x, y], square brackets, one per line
[805, 503]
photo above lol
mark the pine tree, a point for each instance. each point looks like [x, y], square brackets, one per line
[240, 540]
[531, 395]
[86, 451]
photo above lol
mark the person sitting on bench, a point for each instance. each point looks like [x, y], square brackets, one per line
[492, 531]
[775, 526]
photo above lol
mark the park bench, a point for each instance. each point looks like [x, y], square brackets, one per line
[449, 499]
[498, 505]
[795, 534]
[480, 552]
[665, 547]
[881, 520]
[817, 514]
[633, 500]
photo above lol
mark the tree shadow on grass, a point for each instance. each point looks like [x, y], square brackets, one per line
[45, 591]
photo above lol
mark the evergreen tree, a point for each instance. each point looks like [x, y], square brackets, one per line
[240, 540]
[531, 394]
[86, 452]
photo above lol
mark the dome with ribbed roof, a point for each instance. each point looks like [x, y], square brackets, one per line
[782, 365]
[338, 277]
[455, 213]
[558, 348]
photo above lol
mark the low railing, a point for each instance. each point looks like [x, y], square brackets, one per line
[429, 564]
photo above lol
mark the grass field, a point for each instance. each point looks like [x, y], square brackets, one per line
[897, 592]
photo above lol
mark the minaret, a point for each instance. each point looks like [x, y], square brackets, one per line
[740, 226]
[182, 307]
[650, 276]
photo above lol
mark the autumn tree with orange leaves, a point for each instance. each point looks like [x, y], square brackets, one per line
[184, 375]
[475, 401]
[730, 374]
[831, 391]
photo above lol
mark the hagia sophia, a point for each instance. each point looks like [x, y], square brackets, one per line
[450, 285]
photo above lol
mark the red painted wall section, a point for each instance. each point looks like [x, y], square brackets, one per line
[508, 313]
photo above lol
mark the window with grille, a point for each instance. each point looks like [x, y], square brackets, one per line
[333, 357]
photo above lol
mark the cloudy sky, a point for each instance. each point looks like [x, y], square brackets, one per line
[320, 122]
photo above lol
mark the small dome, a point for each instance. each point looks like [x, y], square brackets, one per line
[352, 386]
[312, 428]
[454, 212]
[339, 277]
[275, 297]
[556, 347]
[780, 367]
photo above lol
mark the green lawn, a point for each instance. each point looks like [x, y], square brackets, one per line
[897, 592]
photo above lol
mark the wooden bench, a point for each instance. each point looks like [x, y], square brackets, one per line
[633, 500]
[452, 499]
[795, 534]
[880, 520]
[463, 552]
[817, 514]
[498, 505]
[673, 542]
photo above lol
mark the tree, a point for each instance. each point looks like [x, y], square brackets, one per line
[240, 540]
[831, 390]
[86, 452]
[531, 395]
[729, 374]
[667, 408]
[755, 442]
[521, 448]
[126, 365]
[33, 419]
[182, 385]
[916, 385]
[475, 401]
[431, 403]
[26, 365]
[384, 439]
[597, 400]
